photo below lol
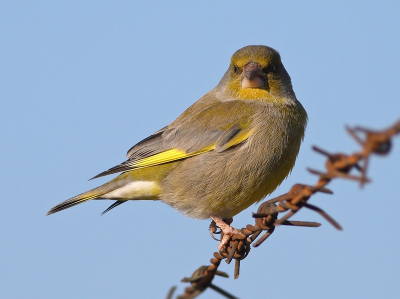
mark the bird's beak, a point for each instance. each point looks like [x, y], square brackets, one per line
[253, 76]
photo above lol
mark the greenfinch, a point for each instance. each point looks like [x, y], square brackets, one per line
[228, 150]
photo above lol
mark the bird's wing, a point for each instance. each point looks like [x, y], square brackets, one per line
[218, 127]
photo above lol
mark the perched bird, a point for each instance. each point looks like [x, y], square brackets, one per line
[228, 150]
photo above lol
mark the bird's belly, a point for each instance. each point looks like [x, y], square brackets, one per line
[223, 185]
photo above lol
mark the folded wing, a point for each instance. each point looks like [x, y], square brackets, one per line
[218, 127]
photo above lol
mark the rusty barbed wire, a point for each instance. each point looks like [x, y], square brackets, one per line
[338, 165]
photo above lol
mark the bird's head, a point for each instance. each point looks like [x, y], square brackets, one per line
[257, 73]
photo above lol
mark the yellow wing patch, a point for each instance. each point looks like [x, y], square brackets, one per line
[168, 156]
[175, 154]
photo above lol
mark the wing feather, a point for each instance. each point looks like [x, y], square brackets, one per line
[228, 125]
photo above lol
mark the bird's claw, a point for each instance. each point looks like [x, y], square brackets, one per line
[213, 230]
[228, 233]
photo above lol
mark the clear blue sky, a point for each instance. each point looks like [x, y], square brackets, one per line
[82, 81]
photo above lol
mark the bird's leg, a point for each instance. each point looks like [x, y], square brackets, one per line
[228, 231]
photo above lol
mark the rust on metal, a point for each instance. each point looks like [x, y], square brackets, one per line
[266, 219]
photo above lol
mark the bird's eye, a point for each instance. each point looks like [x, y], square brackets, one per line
[270, 68]
[236, 69]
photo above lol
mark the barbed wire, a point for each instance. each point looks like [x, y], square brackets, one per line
[337, 165]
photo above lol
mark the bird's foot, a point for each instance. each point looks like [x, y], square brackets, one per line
[227, 230]
[213, 230]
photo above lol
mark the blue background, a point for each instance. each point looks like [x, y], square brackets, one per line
[82, 81]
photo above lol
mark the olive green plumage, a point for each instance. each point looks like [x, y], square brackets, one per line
[227, 151]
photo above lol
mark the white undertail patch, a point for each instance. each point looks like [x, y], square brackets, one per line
[134, 190]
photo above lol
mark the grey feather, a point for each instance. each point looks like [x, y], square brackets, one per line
[228, 135]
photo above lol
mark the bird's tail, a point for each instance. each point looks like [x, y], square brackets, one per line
[91, 194]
